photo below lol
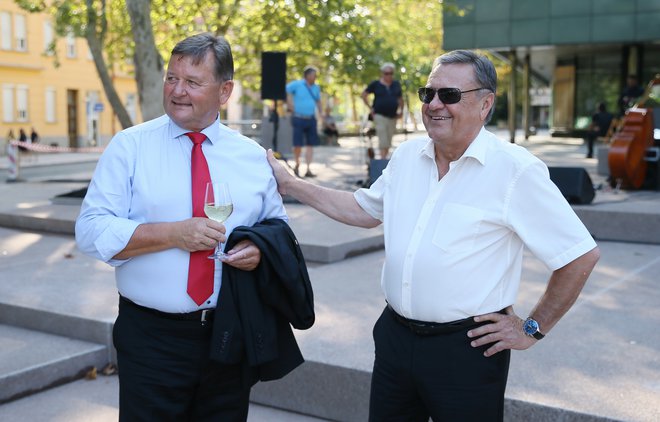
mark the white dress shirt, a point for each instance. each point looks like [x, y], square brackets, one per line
[144, 176]
[454, 247]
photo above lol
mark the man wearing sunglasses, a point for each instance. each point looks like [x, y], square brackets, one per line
[458, 208]
[387, 106]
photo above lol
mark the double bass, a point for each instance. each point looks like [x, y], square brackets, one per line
[628, 146]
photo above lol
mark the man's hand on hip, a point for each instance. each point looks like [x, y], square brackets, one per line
[504, 332]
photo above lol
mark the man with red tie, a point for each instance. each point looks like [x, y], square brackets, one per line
[143, 214]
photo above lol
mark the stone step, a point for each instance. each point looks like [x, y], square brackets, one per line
[565, 378]
[321, 239]
[32, 361]
[98, 401]
[342, 394]
[73, 326]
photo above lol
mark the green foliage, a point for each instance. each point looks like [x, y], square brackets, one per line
[347, 40]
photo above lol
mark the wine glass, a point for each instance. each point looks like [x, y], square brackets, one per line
[218, 207]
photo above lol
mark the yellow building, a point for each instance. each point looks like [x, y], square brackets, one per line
[66, 105]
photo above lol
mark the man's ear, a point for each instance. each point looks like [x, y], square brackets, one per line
[487, 104]
[225, 91]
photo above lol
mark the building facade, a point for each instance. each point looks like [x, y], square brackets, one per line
[581, 50]
[64, 103]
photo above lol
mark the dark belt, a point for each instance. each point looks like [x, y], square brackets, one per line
[203, 315]
[303, 116]
[424, 328]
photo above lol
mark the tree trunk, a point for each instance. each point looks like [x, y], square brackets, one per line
[148, 63]
[411, 113]
[356, 118]
[96, 48]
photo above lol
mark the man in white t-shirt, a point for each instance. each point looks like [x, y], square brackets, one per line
[458, 207]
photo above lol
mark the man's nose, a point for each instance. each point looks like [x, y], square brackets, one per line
[179, 89]
[435, 102]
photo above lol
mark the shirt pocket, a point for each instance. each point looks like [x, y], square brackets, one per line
[457, 227]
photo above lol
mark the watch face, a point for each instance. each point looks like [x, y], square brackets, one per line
[530, 326]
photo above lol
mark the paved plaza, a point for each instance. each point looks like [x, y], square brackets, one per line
[57, 306]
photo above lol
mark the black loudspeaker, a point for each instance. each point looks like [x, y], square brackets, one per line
[273, 76]
[376, 168]
[574, 183]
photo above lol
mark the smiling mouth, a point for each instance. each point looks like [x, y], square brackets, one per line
[439, 117]
[178, 104]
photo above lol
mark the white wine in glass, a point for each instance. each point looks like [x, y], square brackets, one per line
[218, 207]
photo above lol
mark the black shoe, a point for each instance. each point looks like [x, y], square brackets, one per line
[309, 174]
[295, 171]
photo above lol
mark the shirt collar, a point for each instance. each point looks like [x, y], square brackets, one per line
[212, 131]
[428, 149]
[476, 149]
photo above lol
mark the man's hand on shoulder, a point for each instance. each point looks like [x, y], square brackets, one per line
[282, 175]
[505, 331]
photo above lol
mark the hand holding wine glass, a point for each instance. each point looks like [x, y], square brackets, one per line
[218, 207]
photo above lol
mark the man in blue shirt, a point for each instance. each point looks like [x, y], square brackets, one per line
[303, 99]
[138, 216]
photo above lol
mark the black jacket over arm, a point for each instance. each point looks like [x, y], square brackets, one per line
[255, 308]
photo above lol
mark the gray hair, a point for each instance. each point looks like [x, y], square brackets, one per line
[198, 46]
[387, 65]
[484, 70]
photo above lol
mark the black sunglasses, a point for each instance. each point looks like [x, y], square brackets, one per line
[446, 95]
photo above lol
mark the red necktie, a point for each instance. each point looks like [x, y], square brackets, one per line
[200, 270]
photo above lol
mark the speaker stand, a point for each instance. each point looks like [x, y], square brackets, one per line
[275, 118]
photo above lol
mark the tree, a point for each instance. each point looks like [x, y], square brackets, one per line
[346, 39]
[147, 59]
[86, 20]
[95, 34]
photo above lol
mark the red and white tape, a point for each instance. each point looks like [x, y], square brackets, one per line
[12, 170]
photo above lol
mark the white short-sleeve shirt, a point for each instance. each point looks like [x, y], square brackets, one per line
[454, 246]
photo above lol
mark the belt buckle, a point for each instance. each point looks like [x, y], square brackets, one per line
[205, 312]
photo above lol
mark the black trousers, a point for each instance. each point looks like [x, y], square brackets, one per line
[165, 373]
[591, 138]
[441, 376]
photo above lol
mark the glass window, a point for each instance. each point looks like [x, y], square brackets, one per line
[8, 103]
[651, 63]
[597, 80]
[22, 103]
[5, 30]
[50, 105]
[131, 106]
[20, 33]
[71, 46]
[48, 37]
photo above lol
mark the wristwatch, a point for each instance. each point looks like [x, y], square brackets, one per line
[531, 328]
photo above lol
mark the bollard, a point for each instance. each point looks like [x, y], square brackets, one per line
[14, 162]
